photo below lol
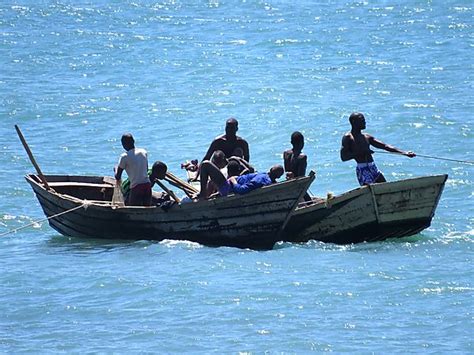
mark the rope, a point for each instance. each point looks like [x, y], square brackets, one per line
[85, 205]
[433, 157]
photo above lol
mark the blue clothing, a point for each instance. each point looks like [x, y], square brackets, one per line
[249, 182]
[225, 189]
[367, 173]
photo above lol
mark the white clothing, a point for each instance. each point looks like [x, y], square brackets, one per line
[224, 172]
[135, 163]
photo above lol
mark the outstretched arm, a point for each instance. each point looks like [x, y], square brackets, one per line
[389, 148]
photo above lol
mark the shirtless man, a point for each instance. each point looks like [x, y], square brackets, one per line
[356, 145]
[135, 163]
[295, 161]
[229, 142]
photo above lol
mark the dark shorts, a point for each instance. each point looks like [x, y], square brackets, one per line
[225, 188]
[140, 195]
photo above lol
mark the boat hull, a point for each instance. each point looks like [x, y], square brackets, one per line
[254, 220]
[370, 213]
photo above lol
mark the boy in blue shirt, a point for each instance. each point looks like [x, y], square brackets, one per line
[236, 184]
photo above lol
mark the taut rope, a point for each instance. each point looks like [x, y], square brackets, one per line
[432, 157]
[85, 205]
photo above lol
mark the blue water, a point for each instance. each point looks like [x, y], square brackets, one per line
[75, 75]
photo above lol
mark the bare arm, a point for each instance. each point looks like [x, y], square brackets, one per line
[302, 164]
[346, 152]
[212, 149]
[286, 160]
[118, 173]
[389, 148]
[245, 148]
[247, 168]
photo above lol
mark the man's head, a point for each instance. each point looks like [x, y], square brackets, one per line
[158, 170]
[357, 120]
[231, 127]
[297, 140]
[276, 171]
[233, 168]
[127, 141]
[219, 159]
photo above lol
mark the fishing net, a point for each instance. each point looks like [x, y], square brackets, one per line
[117, 198]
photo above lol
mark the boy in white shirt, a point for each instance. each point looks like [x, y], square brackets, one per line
[135, 163]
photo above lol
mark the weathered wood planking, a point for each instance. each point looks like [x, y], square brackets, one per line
[253, 220]
[369, 213]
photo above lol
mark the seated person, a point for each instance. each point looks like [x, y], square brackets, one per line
[158, 171]
[246, 183]
[219, 160]
[244, 165]
[192, 165]
[229, 143]
[236, 184]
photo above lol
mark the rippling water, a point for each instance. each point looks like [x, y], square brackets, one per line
[76, 75]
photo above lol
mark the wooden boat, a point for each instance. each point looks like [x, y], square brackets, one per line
[369, 213]
[84, 209]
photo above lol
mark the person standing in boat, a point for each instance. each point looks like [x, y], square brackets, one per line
[229, 142]
[135, 163]
[295, 161]
[356, 145]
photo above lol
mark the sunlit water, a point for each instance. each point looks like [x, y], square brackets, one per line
[76, 75]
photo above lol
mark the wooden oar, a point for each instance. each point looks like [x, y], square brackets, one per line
[32, 158]
[183, 183]
[177, 182]
[168, 191]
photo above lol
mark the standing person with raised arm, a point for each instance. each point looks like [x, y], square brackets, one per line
[356, 145]
[135, 163]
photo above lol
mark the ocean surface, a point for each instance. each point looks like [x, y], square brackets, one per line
[75, 75]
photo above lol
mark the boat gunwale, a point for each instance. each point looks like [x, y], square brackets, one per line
[213, 203]
[325, 203]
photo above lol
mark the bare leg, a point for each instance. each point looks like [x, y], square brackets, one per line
[209, 170]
